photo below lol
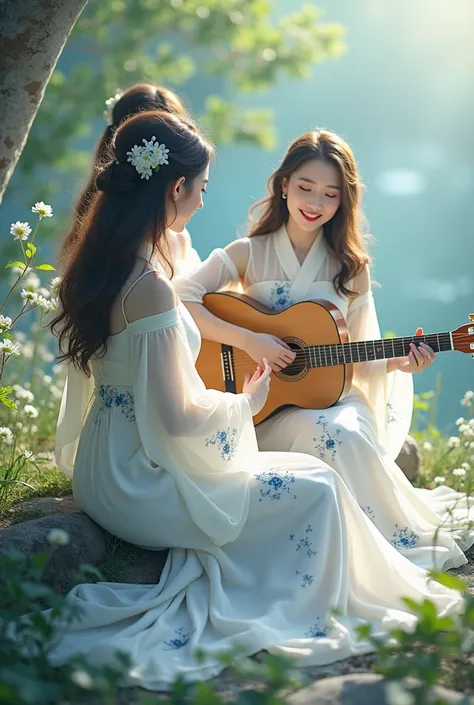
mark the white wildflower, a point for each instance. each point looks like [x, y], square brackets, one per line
[148, 158]
[110, 104]
[58, 537]
[398, 695]
[6, 435]
[20, 231]
[5, 323]
[57, 369]
[28, 350]
[467, 399]
[20, 336]
[29, 296]
[47, 379]
[439, 480]
[24, 394]
[453, 442]
[30, 411]
[460, 420]
[8, 347]
[34, 429]
[82, 679]
[45, 304]
[459, 472]
[32, 282]
[55, 284]
[43, 210]
[43, 291]
[45, 354]
[28, 455]
[466, 466]
[19, 426]
[427, 446]
[56, 392]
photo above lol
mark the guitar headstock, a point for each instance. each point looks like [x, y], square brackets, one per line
[463, 337]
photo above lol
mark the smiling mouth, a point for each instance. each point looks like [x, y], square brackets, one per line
[310, 217]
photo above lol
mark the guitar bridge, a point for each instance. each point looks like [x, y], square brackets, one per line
[227, 362]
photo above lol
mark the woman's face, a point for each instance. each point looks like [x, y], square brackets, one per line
[186, 200]
[313, 193]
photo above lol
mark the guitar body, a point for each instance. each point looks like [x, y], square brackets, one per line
[304, 324]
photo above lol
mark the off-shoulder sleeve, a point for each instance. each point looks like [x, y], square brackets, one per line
[390, 394]
[217, 272]
[204, 438]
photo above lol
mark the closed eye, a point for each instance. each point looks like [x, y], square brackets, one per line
[305, 189]
[331, 195]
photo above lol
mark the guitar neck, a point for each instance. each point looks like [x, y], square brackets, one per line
[367, 350]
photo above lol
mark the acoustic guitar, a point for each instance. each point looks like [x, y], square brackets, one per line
[321, 373]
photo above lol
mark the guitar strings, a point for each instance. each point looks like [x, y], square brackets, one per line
[303, 354]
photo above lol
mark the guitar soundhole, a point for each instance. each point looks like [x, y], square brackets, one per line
[298, 368]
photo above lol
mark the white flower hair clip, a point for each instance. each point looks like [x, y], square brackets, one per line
[148, 158]
[110, 104]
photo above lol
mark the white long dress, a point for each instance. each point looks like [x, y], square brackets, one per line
[263, 545]
[360, 436]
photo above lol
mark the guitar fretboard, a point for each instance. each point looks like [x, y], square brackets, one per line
[343, 353]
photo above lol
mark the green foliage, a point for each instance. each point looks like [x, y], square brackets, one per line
[437, 650]
[236, 45]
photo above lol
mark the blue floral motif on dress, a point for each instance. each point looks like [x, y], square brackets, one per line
[404, 538]
[280, 294]
[181, 638]
[326, 443]
[275, 484]
[368, 511]
[110, 397]
[392, 417]
[225, 442]
[317, 631]
[304, 544]
[306, 578]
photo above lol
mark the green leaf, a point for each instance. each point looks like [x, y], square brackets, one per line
[45, 268]
[449, 581]
[30, 250]
[16, 263]
[6, 401]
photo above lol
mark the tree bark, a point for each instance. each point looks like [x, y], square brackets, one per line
[32, 37]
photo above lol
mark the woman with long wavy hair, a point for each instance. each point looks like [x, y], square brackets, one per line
[124, 104]
[308, 243]
[161, 462]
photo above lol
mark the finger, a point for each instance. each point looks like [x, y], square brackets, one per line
[416, 353]
[267, 369]
[288, 355]
[430, 351]
[413, 365]
[246, 378]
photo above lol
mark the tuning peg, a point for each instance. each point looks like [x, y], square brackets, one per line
[471, 316]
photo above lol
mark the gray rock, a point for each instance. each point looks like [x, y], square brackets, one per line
[409, 459]
[125, 563]
[43, 507]
[86, 545]
[360, 689]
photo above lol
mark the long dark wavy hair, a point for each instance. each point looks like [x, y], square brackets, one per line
[125, 214]
[343, 233]
[136, 99]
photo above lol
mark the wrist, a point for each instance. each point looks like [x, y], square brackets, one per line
[243, 338]
[393, 364]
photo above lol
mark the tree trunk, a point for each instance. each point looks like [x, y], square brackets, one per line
[32, 37]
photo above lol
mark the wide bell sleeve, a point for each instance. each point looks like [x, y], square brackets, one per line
[204, 438]
[77, 397]
[216, 273]
[390, 394]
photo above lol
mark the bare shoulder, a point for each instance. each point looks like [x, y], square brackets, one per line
[239, 251]
[152, 294]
